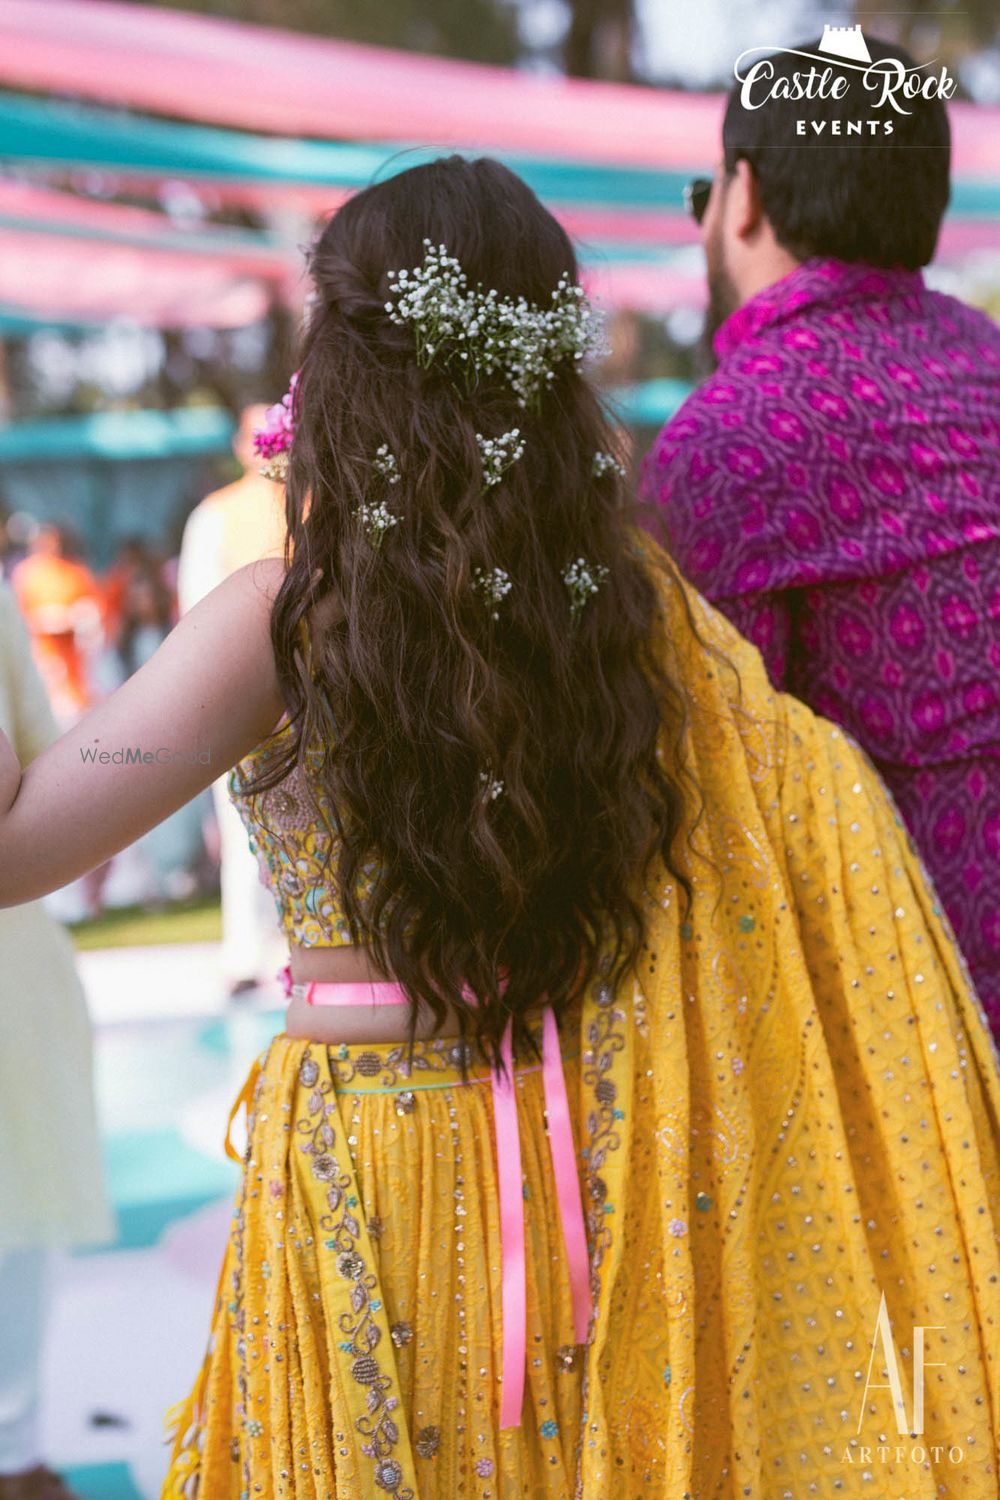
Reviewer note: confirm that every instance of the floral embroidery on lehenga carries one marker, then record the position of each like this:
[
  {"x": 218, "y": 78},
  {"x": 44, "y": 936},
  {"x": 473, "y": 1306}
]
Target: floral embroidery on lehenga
[
  {"x": 430, "y": 1054},
  {"x": 605, "y": 1037},
  {"x": 360, "y": 1333}
]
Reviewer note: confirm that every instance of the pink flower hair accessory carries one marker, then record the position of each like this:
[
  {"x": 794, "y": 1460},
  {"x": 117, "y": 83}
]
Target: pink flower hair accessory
[{"x": 272, "y": 441}]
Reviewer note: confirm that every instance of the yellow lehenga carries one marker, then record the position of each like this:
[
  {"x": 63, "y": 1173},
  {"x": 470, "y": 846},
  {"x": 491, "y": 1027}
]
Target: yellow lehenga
[{"x": 789, "y": 1112}]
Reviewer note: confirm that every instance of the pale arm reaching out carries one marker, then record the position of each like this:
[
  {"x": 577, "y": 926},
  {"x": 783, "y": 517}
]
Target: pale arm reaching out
[{"x": 210, "y": 687}]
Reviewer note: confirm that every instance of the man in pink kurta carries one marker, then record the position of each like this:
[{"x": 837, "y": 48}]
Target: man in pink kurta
[{"x": 834, "y": 487}]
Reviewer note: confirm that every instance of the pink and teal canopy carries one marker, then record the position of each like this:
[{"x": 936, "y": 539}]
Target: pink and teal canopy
[
  {"x": 228, "y": 73},
  {"x": 609, "y": 160}
]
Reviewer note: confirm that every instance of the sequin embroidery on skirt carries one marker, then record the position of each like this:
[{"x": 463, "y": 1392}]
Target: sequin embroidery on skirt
[{"x": 357, "y": 1335}]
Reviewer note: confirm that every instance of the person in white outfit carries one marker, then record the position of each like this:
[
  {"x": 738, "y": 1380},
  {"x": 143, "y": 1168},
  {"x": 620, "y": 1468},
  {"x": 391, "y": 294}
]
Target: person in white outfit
[
  {"x": 230, "y": 527},
  {"x": 52, "y": 1192}
]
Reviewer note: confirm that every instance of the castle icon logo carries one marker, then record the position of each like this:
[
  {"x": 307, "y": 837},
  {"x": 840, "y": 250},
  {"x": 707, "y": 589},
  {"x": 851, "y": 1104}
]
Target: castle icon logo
[
  {"x": 846, "y": 42},
  {"x": 840, "y": 65}
]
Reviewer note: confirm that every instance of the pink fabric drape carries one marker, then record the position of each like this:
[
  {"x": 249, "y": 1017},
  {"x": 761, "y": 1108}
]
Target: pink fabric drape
[
  {"x": 263, "y": 78},
  {"x": 55, "y": 277}
]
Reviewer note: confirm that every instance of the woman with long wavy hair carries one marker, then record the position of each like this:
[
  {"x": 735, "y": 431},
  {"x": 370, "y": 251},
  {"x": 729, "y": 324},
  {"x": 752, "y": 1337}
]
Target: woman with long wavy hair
[{"x": 628, "y": 1058}]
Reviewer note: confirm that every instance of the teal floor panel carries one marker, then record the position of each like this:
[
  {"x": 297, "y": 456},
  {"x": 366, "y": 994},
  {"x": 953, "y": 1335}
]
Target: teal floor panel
[{"x": 103, "y": 1482}]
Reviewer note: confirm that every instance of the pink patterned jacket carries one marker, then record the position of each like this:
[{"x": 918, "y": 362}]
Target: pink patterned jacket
[{"x": 834, "y": 487}]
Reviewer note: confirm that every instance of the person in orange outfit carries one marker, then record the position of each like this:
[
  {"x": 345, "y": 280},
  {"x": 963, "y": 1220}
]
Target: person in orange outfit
[{"x": 60, "y": 599}]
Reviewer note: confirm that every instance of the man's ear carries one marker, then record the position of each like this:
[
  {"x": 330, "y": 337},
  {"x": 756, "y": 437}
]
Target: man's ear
[{"x": 744, "y": 201}]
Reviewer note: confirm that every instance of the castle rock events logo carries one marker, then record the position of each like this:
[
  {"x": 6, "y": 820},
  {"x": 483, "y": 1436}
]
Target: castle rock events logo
[{"x": 841, "y": 63}]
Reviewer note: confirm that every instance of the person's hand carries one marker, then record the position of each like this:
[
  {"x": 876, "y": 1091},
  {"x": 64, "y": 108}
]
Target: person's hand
[{"x": 10, "y": 772}]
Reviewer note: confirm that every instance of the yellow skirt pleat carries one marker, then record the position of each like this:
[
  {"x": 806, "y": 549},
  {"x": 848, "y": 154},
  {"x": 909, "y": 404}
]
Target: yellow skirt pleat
[{"x": 357, "y": 1338}]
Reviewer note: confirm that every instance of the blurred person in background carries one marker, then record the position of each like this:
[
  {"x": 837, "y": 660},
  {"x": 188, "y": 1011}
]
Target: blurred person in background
[
  {"x": 233, "y": 526},
  {"x": 52, "y": 1194},
  {"x": 170, "y": 570},
  {"x": 133, "y": 556},
  {"x": 6, "y": 560},
  {"x": 170, "y": 860},
  {"x": 144, "y": 618},
  {"x": 834, "y": 486},
  {"x": 61, "y": 601},
  {"x": 19, "y": 532}
]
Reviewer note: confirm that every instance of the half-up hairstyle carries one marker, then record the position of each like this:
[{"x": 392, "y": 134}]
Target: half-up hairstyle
[{"x": 495, "y": 762}]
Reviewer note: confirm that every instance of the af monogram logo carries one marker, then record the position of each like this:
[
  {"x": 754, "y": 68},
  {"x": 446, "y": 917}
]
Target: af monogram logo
[
  {"x": 917, "y": 1453},
  {"x": 883, "y": 1331}
]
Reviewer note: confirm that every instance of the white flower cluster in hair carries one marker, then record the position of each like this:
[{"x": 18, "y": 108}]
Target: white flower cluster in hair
[
  {"x": 276, "y": 468},
  {"x": 434, "y": 298},
  {"x": 583, "y": 579},
  {"x": 487, "y": 332},
  {"x": 386, "y": 464},
  {"x": 534, "y": 339},
  {"x": 499, "y": 454},
  {"x": 604, "y": 463},
  {"x": 493, "y": 787},
  {"x": 494, "y": 583},
  {"x": 376, "y": 520}
]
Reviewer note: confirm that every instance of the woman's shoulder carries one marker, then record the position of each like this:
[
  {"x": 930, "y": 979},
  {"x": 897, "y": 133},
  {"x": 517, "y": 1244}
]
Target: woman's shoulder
[{"x": 264, "y": 576}]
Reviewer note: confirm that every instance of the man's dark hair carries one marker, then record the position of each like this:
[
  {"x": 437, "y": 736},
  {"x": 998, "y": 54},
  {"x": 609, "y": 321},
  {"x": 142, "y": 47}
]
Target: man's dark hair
[{"x": 877, "y": 198}]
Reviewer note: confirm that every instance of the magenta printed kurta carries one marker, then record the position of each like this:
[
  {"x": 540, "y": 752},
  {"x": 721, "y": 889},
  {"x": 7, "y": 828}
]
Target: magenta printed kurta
[{"x": 834, "y": 487}]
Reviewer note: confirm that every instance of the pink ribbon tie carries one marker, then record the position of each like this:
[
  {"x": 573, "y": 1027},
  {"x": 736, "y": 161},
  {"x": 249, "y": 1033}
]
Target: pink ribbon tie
[
  {"x": 510, "y": 1173},
  {"x": 514, "y": 1301}
]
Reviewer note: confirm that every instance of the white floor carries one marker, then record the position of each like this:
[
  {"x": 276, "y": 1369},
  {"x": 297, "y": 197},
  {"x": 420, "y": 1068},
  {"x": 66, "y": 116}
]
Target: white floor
[
  {"x": 126, "y": 1336},
  {"x": 128, "y": 1326}
]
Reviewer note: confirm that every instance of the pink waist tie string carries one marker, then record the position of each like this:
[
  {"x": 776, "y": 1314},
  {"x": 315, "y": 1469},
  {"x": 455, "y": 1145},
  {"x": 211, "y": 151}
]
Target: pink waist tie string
[{"x": 511, "y": 1191}]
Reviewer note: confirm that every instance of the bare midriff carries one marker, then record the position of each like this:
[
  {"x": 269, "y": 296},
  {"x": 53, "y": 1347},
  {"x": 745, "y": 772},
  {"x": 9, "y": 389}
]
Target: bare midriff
[{"x": 354, "y": 1023}]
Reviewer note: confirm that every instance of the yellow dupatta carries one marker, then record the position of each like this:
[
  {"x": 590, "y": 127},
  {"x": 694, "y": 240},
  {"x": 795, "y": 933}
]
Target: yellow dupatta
[{"x": 792, "y": 1112}]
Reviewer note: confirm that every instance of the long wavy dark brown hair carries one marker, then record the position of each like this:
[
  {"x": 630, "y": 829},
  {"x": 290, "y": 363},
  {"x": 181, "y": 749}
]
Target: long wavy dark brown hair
[{"x": 415, "y": 691}]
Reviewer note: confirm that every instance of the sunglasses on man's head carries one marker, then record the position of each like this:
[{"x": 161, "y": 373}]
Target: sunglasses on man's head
[{"x": 696, "y": 196}]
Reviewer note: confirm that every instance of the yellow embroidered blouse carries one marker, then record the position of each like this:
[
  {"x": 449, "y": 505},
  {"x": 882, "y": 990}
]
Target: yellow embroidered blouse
[{"x": 290, "y": 831}]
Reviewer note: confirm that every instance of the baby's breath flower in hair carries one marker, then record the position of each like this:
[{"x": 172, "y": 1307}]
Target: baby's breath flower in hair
[
  {"x": 492, "y": 787},
  {"x": 484, "y": 332},
  {"x": 604, "y": 463},
  {"x": 434, "y": 299},
  {"x": 375, "y": 520},
  {"x": 494, "y": 584},
  {"x": 386, "y": 464},
  {"x": 582, "y": 579},
  {"x": 499, "y": 454},
  {"x": 534, "y": 339}
]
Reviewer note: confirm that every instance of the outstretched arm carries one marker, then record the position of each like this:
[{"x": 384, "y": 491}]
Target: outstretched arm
[{"x": 202, "y": 702}]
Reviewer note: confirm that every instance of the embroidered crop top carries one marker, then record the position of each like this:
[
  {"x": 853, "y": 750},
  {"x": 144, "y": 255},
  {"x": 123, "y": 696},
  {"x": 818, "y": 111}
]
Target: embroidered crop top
[
  {"x": 290, "y": 829},
  {"x": 291, "y": 833}
]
